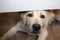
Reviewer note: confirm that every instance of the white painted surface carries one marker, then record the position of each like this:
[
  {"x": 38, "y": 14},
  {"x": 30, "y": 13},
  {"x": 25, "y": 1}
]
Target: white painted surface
[{"x": 25, "y": 5}]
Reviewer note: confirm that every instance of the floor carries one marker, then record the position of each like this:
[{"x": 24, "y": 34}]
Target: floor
[{"x": 9, "y": 20}]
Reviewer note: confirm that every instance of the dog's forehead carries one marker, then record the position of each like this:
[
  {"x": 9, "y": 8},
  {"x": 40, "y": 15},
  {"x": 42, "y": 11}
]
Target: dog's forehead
[{"x": 38, "y": 12}]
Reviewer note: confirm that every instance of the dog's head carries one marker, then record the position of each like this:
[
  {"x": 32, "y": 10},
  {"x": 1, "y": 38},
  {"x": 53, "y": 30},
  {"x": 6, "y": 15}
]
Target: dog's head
[{"x": 35, "y": 21}]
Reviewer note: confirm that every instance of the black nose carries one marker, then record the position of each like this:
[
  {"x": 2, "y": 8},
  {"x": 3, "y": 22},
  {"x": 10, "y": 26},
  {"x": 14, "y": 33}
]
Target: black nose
[{"x": 36, "y": 27}]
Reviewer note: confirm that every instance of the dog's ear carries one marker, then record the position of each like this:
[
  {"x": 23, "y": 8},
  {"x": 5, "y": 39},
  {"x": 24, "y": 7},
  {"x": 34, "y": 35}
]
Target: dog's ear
[
  {"x": 22, "y": 13},
  {"x": 50, "y": 17},
  {"x": 50, "y": 13}
]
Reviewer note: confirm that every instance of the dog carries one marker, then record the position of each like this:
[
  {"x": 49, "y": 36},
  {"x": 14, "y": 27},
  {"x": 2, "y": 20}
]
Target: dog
[{"x": 32, "y": 22}]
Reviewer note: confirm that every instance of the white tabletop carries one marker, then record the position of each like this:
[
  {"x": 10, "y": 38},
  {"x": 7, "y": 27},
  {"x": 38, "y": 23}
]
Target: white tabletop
[{"x": 25, "y": 5}]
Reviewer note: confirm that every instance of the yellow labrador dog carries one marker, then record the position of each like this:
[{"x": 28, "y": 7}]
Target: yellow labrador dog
[{"x": 33, "y": 23}]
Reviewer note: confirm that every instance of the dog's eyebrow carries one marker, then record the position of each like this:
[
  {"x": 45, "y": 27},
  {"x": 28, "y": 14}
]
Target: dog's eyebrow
[{"x": 23, "y": 11}]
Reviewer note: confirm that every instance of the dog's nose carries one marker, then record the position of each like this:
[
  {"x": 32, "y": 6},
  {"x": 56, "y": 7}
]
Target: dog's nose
[{"x": 36, "y": 27}]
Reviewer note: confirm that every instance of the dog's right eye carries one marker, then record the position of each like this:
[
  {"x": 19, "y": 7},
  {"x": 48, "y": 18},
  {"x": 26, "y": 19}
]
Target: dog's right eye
[
  {"x": 42, "y": 16},
  {"x": 30, "y": 15}
]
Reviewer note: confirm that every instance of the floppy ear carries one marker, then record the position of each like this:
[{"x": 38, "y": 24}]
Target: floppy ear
[
  {"x": 23, "y": 16},
  {"x": 50, "y": 17}
]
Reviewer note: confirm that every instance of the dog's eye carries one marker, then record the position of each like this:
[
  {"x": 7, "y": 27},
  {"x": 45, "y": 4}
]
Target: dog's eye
[
  {"x": 42, "y": 16},
  {"x": 30, "y": 15}
]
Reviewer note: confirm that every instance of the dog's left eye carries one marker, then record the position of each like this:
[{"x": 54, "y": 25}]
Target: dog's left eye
[
  {"x": 30, "y": 15},
  {"x": 42, "y": 16}
]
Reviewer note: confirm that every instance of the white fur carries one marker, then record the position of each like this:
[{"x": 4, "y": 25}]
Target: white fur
[{"x": 43, "y": 34}]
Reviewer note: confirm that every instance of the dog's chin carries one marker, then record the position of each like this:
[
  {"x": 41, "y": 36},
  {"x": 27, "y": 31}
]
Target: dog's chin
[
  {"x": 33, "y": 33},
  {"x": 30, "y": 33}
]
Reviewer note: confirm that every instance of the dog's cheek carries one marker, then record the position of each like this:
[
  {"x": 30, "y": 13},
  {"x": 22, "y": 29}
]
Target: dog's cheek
[{"x": 47, "y": 21}]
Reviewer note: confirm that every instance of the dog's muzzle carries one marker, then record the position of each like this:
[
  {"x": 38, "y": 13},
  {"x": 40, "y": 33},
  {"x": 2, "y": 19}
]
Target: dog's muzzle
[{"x": 36, "y": 28}]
